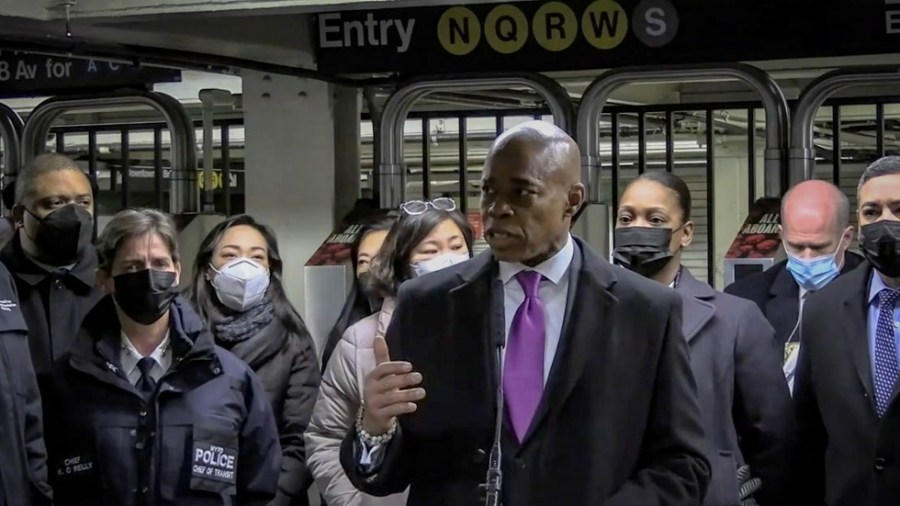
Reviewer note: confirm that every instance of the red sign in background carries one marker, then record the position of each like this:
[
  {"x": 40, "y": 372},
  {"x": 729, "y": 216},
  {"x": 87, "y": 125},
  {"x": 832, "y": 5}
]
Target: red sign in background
[{"x": 758, "y": 237}]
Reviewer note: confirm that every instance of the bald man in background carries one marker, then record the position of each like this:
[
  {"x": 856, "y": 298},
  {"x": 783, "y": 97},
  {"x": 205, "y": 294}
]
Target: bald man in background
[
  {"x": 815, "y": 233},
  {"x": 600, "y": 402}
]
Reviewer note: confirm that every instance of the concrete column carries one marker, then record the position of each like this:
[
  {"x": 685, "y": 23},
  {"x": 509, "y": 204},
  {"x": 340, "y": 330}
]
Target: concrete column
[
  {"x": 731, "y": 187},
  {"x": 347, "y": 108},
  {"x": 290, "y": 166}
]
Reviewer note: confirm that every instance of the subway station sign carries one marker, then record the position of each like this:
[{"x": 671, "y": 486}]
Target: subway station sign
[
  {"x": 586, "y": 34},
  {"x": 31, "y": 74}
]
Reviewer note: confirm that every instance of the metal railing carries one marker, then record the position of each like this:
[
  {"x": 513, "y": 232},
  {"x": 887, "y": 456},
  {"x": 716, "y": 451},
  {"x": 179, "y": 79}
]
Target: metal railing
[
  {"x": 391, "y": 174},
  {"x": 802, "y": 152},
  {"x": 184, "y": 193},
  {"x": 597, "y": 95}
]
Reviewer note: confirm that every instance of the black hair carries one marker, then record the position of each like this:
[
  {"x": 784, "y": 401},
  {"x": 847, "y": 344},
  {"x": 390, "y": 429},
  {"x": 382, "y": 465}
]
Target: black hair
[
  {"x": 380, "y": 224},
  {"x": 391, "y": 266},
  {"x": 358, "y": 304},
  {"x": 42, "y": 164},
  {"x": 884, "y": 166},
  {"x": 674, "y": 183},
  {"x": 201, "y": 292}
]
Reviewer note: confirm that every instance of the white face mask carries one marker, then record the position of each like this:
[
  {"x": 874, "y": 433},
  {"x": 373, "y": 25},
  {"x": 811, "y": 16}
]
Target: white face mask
[
  {"x": 439, "y": 262},
  {"x": 241, "y": 283}
]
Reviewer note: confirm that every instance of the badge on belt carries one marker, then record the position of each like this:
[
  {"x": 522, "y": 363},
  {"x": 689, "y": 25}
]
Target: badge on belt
[{"x": 789, "y": 349}]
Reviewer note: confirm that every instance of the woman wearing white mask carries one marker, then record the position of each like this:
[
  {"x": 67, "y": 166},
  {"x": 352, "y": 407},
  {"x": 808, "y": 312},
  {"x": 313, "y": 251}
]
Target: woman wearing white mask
[
  {"x": 429, "y": 236},
  {"x": 238, "y": 291}
]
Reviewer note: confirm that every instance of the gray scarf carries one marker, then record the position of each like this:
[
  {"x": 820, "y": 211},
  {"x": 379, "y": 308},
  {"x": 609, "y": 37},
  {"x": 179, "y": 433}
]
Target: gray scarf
[{"x": 239, "y": 327}]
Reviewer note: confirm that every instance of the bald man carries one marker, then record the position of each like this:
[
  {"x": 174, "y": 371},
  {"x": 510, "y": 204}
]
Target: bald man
[
  {"x": 599, "y": 400},
  {"x": 815, "y": 233}
]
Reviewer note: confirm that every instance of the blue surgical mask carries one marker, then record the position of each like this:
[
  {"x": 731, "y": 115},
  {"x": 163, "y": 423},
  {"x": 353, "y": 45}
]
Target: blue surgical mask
[{"x": 814, "y": 273}]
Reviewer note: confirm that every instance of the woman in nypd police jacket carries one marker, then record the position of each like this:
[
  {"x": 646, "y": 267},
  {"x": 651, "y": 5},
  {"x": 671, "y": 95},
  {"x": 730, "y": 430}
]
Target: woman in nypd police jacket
[
  {"x": 145, "y": 409},
  {"x": 747, "y": 413}
]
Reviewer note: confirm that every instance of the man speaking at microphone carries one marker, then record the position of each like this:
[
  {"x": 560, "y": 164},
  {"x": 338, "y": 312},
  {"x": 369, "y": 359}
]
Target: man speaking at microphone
[{"x": 600, "y": 403}]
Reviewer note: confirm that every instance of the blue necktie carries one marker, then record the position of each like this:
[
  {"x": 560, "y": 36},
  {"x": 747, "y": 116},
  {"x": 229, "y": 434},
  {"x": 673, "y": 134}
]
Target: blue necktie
[{"x": 886, "y": 368}]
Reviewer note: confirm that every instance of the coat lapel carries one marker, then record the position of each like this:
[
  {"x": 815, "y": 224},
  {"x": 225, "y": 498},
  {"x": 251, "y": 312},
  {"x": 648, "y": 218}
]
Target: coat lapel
[
  {"x": 588, "y": 316},
  {"x": 855, "y": 328},
  {"x": 477, "y": 291},
  {"x": 783, "y": 305},
  {"x": 698, "y": 306}
]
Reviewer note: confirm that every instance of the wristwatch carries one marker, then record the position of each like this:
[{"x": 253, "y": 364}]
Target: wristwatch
[{"x": 368, "y": 439}]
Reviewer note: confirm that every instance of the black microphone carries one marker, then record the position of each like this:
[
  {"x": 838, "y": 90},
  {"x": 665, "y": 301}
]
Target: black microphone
[{"x": 493, "y": 483}]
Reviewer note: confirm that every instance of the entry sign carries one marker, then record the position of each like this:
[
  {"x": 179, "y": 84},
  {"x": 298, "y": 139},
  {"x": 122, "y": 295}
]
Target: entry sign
[
  {"x": 32, "y": 74},
  {"x": 596, "y": 34}
]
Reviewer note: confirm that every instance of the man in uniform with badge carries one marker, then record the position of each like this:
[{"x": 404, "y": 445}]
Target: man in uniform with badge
[{"x": 145, "y": 409}]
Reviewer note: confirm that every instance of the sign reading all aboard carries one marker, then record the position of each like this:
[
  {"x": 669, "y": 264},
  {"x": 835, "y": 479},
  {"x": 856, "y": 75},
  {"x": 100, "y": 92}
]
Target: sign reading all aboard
[
  {"x": 32, "y": 74},
  {"x": 759, "y": 237},
  {"x": 337, "y": 247},
  {"x": 584, "y": 34}
]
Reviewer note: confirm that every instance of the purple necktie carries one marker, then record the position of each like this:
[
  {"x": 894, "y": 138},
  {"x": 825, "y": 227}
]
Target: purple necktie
[{"x": 523, "y": 372}]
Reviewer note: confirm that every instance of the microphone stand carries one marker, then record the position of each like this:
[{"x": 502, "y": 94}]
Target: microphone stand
[{"x": 494, "y": 480}]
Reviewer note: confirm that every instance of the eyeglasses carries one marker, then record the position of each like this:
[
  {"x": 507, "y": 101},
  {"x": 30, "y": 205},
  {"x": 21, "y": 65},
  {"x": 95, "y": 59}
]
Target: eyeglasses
[{"x": 415, "y": 207}]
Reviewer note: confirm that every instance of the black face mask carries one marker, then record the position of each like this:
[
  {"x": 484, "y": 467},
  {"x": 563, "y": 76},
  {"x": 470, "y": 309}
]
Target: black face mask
[
  {"x": 880, "y": 244},
  {"x": 145, "y": 296},
  {"x": 62, "y": 235},
  {"x": 644, "y": 250}
]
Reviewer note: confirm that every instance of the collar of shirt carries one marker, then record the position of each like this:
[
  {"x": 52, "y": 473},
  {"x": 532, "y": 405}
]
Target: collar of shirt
[
  {"x": 876, "y": 285},
  {"x": 553, "y": 269},
  {"x": 130, "y": 357}
]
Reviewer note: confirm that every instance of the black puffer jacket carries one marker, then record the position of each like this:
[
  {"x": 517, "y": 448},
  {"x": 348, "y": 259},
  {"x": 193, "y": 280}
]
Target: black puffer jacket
[
  {"x": 208, "y": 437},
  {"x": 286, "y": 363}
]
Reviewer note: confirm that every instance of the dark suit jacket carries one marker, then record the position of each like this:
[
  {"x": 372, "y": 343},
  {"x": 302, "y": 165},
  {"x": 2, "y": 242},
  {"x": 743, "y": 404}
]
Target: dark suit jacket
[
  {"x": 850, "y": 456},
  {"x": 619, "y": 423},
  {"x": 778, "y": 295},
  {"x": 746, "y": 405}
]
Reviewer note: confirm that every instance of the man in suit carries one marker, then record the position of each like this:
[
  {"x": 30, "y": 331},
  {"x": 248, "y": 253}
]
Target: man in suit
[
  {"x": 847, "y": 375},
  {"x": 600, "y": 402},
  {"x": 815, "y": 233}
]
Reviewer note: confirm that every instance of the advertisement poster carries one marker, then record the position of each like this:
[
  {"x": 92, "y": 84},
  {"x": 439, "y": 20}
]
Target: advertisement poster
[
  {"x": 335, "y": 250},
  {"x": 479, "y": 244},
  {"x": 758, "y": 237}
]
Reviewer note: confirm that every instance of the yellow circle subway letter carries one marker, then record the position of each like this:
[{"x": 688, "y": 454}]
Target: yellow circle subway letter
[
  {"x": 459, "y": 31},
  {"x": 555, "y": 26},
  {"x": 506, "y": 29},
  {"x": 604, "y": 24}
]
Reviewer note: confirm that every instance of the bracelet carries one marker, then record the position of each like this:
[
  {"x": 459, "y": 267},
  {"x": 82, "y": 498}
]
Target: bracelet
[{"x": 368, "y": 439}]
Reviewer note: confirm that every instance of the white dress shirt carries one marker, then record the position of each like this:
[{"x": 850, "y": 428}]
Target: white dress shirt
[
  {"x": 553, "y": 292},
  {"x": 130, "y": 357}
]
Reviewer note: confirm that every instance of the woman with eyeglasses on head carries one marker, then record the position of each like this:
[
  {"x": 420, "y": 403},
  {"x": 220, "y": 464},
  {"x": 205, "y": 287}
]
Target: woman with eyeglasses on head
[
  {"x": 428, "y": 236},
  {"x": 238, "y": 291},
  {"x": 747, "y": 412},
  {"x": 360, "y": 302}
]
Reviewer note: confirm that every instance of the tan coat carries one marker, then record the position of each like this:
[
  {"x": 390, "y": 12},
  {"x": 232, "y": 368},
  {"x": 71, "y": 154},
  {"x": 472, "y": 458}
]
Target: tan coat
[{"x": 335, "y": 413}]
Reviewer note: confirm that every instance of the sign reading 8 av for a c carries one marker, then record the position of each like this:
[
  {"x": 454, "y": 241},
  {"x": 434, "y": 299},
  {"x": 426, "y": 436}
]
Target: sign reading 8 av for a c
[{"x": 556, "y": 25}]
